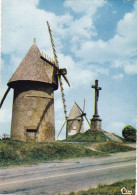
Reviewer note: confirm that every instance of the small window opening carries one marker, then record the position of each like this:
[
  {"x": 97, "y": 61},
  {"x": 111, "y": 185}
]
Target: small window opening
[{"x": 31, "y": 135}]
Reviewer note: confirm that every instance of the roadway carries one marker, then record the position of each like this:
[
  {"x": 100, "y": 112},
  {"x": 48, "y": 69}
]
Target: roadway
[{"x": 67, "y": 175}]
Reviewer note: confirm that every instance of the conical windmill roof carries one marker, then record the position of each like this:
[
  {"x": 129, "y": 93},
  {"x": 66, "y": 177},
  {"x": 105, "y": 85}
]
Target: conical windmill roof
[
  {"x": 74, "y": 112},
  {"x": 33, "y": 68}
]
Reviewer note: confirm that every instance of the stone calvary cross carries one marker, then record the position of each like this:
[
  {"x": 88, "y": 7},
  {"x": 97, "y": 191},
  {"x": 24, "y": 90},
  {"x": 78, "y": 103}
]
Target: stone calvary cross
[
  {"x": 96, "y": 98},
  {"x": 96, "y": 121}
]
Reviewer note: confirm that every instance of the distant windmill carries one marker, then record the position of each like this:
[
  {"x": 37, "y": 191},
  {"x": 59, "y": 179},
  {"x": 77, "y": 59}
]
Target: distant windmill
[
  {"x": 34, "y": 83},
  {"x": 75, "y": 120}
]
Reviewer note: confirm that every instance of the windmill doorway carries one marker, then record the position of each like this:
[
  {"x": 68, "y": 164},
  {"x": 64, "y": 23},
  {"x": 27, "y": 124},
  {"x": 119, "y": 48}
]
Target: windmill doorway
[{"x": 31, "y": 135}]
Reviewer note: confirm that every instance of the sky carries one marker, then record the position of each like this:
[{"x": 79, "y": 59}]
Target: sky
[{"x": 94, "y": 39}]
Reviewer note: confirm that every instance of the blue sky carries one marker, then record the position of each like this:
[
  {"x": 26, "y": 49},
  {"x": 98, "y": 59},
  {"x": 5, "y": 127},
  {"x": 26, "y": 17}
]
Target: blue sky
[{"x": 94, "y": 39}]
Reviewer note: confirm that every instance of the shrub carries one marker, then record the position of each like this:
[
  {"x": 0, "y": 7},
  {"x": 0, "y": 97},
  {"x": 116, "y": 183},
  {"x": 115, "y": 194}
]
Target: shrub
[{"x": 129, "y": 133}]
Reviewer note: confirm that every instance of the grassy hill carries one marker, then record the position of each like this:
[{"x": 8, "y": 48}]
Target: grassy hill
[
  {"x": 89, "y": 136},
  {"x": 16, "y": 152}
]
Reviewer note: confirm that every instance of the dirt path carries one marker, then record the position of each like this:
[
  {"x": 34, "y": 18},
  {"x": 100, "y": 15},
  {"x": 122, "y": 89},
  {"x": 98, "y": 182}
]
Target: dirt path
[{"x": 113, "y": 137}]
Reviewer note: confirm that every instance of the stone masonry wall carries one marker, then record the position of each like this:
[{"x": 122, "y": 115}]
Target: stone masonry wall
[
  {"x": 33, "y": 113},
  {"x": 74, "y": 125}
]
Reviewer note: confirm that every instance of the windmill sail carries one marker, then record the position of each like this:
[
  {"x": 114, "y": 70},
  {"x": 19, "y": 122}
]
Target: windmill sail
[
  {"x": 58, "y": 73},
  {"x": 4, "y": 97},
  {"x": 83, "y": 114},
  {"x": 53, "y": 46}
]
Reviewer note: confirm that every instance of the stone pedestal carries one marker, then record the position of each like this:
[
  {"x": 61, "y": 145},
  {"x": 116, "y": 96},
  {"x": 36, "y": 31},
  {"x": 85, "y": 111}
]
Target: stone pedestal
[{"x": 96, "y": 123}]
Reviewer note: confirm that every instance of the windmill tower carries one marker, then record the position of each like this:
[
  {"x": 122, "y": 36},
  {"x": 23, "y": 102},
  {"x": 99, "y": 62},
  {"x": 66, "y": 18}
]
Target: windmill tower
[
  {"x": 34, "y": 83},
  {"x": 75, "y": 121}
]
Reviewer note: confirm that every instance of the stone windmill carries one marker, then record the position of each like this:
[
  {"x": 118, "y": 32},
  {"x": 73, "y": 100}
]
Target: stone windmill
[
  {"x": 75, "y": 121},
  {"x": 34, "y": 83}
]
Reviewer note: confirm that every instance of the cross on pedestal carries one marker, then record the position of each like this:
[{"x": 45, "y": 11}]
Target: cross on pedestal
[
  {"x": 96, "y": 98},
  {"x": 96, "y": 121}
]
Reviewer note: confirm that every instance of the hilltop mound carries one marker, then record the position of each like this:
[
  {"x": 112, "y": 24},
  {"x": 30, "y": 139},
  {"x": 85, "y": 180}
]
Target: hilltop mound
[{"x": 92, "y": 136}]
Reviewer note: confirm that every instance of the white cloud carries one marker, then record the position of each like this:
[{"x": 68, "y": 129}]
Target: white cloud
[
  {"x": 86, "y": 6},
  {"x": 120, "y": 50},
  {"x": 81, "y": 28},
  {"x": 117, "y": 76},
  {"x": 115, "y": 127},
  {"x": 5, "y": 116},
  {"x": 22, "y": 21},
  {"x": 59, "y": 104},
  {"x": 117, "y": 64},
  {"x": 77, "y": 75},
  {"x": 131, "y": 68},
  {"x": 15, "y": 61}
]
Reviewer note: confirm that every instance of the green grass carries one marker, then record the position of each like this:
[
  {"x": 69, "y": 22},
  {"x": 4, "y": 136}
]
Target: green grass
[
  {"x": 89, "y": 136},
  {"x": 16, "y": 152},
  {"x": 113, "y": 147},
  {"x": 19, "y": 153},
  {"x": 113, "y": 189}
]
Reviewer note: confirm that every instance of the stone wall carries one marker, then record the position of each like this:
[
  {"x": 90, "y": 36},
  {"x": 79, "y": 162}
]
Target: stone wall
[
  {"x": 33, "y": 113},
  {"x": 74, "y": 126}
]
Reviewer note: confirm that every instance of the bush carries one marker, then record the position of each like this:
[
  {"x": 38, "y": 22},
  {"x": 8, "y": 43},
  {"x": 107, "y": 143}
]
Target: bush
[{"x": 129, "y": 133}]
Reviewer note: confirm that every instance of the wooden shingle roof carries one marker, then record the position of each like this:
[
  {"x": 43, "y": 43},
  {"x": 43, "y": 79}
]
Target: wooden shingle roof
[
  {"x": 33, "y": 68},
  {"x": 74, "y": 112}
]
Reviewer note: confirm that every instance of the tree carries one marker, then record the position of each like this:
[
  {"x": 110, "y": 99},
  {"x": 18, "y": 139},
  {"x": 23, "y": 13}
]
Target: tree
[
  {"x": 5, "y": 136},
  {"x": 129, "y": 133}
]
